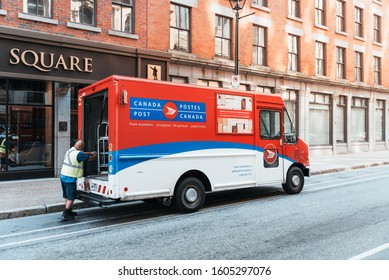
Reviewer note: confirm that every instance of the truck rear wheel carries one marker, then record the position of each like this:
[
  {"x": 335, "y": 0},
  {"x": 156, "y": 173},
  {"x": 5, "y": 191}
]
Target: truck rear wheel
[
  {"x": 190, "y": 195},
  {"x": 294, "y": 181}
]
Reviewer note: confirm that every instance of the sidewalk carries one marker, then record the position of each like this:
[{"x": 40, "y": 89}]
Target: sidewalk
[{"x": 34, "y": 197}]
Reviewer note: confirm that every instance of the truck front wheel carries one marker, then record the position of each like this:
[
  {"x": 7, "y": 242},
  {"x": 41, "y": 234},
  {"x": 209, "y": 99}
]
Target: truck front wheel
[
  {"x": 294, "y": 181},
  {"x": 190, "y": 195}
]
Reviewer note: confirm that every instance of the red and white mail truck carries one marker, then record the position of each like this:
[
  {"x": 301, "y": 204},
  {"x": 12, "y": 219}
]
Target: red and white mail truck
[{"x": 177, "y": 142}]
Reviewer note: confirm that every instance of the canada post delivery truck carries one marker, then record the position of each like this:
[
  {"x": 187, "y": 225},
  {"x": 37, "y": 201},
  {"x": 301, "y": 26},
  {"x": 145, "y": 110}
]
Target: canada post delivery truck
[{"x": 177, "y": 142}]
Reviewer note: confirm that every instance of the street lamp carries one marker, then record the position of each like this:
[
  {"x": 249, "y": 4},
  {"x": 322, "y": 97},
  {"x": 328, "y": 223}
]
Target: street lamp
[{"x": 236, "y": 6}]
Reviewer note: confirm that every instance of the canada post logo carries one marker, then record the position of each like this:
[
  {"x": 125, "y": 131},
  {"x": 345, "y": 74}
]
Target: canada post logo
[{"x": 166, "y": 110}]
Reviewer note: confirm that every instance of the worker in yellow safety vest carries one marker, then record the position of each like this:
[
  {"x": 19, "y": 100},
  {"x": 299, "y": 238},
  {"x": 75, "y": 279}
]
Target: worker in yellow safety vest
[{"x": 72, "y": 168}]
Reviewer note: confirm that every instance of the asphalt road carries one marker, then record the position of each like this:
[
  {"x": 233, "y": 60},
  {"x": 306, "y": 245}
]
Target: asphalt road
[{"x": 338, "y": 216}]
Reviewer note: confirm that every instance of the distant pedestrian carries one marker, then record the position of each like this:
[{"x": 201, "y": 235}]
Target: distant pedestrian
[{"x": 72, "y": 168}]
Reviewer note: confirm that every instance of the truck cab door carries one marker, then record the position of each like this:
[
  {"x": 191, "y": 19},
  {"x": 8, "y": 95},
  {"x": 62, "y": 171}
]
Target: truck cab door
[{"x": 269, "y": 142}]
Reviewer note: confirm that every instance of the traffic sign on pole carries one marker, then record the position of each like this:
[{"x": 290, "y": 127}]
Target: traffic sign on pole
[{"x": 235, "y": 81}]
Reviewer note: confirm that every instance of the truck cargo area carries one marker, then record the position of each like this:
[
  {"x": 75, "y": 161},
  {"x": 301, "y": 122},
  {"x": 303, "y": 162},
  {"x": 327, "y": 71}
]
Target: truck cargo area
[{"x": 95, "y": 126}]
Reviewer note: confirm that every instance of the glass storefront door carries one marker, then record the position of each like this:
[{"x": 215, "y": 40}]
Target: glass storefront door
[{"x": 26, "y": 114}]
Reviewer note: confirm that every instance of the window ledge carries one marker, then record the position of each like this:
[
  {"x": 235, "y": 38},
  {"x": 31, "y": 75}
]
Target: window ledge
[
  {"x": 265, "y": 9},
  {"x": 377, "y": 44},
  {"x": 359, "y": 38},
  {"x": 3, "y": 12},
  {"x": 182, "y": 54},
  {"x": 294, "y": 18},
  {"x": 343, "y": 80},
  {"x": 222, "y": 60},
  {"x": 260, "y": 66},
  {"x": 321, "y": 26},
  {"x": 323, "y": 77},
  {"x": 83, "y": 27},
  {"x": 377, "y": 2},
  {"x": 294, "y": 72},
  {"x": 123, "y": 34},
  {"x": 341, "y": 33},
  {"x": 38, "y": 18}
]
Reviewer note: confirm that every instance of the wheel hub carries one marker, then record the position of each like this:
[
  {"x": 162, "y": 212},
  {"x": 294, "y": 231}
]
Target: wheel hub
[
  {"x": 191, "y": 195},
  {"x": 295, "y": 181}
]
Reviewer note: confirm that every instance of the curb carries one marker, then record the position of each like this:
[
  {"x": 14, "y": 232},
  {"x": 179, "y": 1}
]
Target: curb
[
  {"x": 38, "y": 210},
  {"x": 341, "y": 169}
]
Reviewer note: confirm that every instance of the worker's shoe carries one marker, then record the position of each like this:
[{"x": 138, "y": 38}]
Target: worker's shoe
[
  {"x": 72, "y": 213},
  {"x": 66, "y": 216}
]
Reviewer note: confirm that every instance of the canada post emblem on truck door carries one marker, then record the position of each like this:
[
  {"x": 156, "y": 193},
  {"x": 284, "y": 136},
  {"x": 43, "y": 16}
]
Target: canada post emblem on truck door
[
  {"x": 270, "y": 156},
  {"x": 148, "y": 109}
]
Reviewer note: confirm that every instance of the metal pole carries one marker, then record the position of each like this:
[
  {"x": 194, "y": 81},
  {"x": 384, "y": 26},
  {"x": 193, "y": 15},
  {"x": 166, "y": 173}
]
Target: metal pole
[{"x": 237, "y": 43}]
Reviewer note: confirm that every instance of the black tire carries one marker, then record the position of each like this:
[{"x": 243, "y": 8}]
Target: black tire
[
  {"x": 294, "y": 181},
  {"x": 189, "y": 195}
]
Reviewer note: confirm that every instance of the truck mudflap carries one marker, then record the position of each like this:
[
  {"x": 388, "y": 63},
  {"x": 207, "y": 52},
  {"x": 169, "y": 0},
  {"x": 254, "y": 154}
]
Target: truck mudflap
[{"x": 96, "y": 199}]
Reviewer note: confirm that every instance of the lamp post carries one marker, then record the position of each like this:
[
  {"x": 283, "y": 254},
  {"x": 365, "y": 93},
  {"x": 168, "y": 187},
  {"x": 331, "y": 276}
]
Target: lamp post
[{"x": 236, "y": 6}]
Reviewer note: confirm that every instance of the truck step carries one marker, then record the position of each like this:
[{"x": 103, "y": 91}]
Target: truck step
[{"x": 96, "y": 199}]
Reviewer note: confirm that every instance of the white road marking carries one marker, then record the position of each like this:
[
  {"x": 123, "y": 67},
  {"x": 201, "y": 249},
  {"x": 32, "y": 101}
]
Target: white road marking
[
  {"x": 344, "y": 184},
  {"x": 371, "y": 252}
]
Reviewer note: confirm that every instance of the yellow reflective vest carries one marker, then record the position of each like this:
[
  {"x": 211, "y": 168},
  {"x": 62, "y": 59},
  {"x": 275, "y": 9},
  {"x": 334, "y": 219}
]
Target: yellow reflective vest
[
  {"x": 3, "y": 147},
  {"x": 71, "y": 166}
]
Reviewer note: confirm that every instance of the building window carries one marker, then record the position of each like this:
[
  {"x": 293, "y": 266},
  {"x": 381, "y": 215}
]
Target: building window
[
  {"x": 26, "y": 118},
  {"x": 179, "y": 79},
  {"x": 37, "y": 7},
  {"x": 319, "y": 119},
  {"x": 379, "y": 121},
  {"x": 320, "y": 15},
  {"x": 340, "y": 63},
  {"x": 123, "y": 16},
  {"x": 83, "y": 12},
  {"x": 377, "y": 70},
  {"x": 290, "y": 100},
  {"x": 223, "y": 37},
  {"x": 179, "y": 28},
  {"x": 293, "y": 53},
  {"x": 340, "y": 16},
  {"x": 264, "y": 89},
  {"x": 341, "y": 108},
  {"x": 358, "y": 22},
  {"x": 377, "y": 29},
  {"x": 259, "y": 45},
  {"x": 359, "y": 119},
  {"x": 358, "y": 67},
  {"x": 320, "y": 58},
  {"x": 294, "y": 8},
  {"x": 261, "y": 3},
  {"x": 209, "y": 83}
]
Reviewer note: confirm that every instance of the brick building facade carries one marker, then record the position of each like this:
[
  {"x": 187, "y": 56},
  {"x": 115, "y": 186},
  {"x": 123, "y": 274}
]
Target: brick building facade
[{"x": 326, "y": 58}]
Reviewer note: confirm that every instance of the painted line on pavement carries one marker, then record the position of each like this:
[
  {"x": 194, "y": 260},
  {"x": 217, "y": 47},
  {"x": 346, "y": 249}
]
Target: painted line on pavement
[
  {"x": 371, "y": 252},
  {"x": 345, "y": 179},
  {"x": 344, "y": 184}
]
